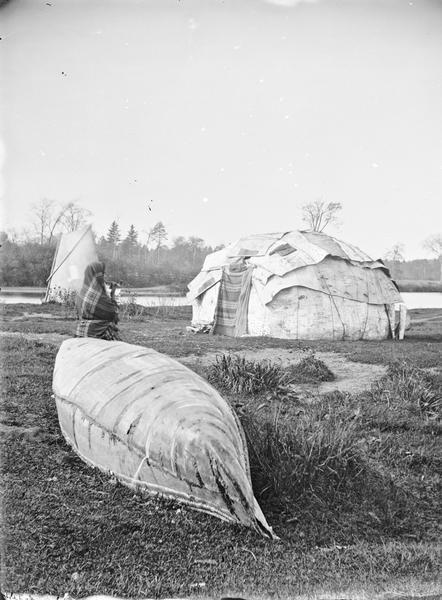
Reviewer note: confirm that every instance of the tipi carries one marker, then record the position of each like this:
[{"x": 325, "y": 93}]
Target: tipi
[
  {"x": 298, "y": 285},
  {"x": 74, "y": 252}
]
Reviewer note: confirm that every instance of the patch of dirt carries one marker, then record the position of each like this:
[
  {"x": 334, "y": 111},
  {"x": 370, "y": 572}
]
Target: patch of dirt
[
  {"x": 27, "y": 315},
  {"x": 352, "y": 377}
]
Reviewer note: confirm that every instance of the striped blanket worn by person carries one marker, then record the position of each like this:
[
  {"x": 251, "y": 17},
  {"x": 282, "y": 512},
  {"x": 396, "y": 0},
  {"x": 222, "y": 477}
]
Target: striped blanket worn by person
[{"x": 98, "y": 313}]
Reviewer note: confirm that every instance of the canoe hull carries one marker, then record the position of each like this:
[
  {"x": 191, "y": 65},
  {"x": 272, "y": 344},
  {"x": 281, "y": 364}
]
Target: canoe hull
[{"x": 156, "y": 426}]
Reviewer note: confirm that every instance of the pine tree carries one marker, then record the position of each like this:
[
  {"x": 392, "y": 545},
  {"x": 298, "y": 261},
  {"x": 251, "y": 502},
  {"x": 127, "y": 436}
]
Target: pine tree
[
  {"x": 113, "y": 238},
  {"x": 113, "y": 235},
  {"x": 130, "y": 243},
  {"x": 132, "y": 237}
]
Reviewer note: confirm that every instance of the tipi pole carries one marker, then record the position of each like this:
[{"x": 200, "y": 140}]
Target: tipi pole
[{"x": 52, "y": 267}]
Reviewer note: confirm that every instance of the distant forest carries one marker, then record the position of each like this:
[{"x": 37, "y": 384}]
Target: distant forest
[
  {"x": 421, "y": 269},
  {"x": 28, "y": 262}
]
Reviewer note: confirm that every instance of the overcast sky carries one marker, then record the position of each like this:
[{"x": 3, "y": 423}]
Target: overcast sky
[{"x": 228, "y": 115}]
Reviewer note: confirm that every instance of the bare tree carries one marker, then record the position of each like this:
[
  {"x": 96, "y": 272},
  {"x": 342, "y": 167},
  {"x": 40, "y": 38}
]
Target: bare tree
[
  {"x": 433, "y": 244},
  {"x": 149, "y": 237},
  {"x": 48, "y": 217},
  {"x": 395, "y": 253},
  {"x": 75, "y": 216},
  {"x": 319, "y": 214},
  {"x": 16, "y": 237},
  {"x": 196, "y": 243},
  {"x": 158, "y": 234}
]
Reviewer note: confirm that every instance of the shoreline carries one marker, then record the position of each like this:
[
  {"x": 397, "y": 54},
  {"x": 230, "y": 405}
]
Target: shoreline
[{"x": 161, "y": 291}]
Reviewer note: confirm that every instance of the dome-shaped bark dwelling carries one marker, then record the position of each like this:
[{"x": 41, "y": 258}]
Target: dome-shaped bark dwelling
[{"x": 299, "y": 285}]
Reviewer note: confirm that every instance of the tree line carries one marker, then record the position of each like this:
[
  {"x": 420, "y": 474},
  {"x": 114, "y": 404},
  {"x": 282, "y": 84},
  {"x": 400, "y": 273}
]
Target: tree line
[
  {"x": 417, "y": 269},
  {"x": 153, "y": 262},
  {"x": 420, "y": 269},
  {"x": 26, "y": 260}
]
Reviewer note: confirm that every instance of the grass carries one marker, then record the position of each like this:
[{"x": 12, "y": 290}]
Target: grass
[
  {"x": 410, "y": 389},
  {"x": 132, "y": 311},
  {"x": 335, "y": 468},
  {"x": 303, "y": 461},
  {"x": 163, "y": 328},
  {"x": 350, "y": 483},
  {"x": 341, "y": 466}
]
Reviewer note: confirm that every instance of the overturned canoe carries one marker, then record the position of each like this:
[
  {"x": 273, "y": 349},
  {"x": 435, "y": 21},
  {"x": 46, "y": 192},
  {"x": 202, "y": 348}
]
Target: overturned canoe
[{"x": 156, "y": 425}]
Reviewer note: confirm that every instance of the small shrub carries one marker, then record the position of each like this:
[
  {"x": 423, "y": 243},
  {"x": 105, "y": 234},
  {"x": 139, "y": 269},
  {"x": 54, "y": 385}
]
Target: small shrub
[
  {"x": 129, "y": 309},
  {"x": 237, "y": 375},
  {"x": 310, "y": 370},
  {"x": 66, "y": 297},
  {"x": 407, "y": 387}
]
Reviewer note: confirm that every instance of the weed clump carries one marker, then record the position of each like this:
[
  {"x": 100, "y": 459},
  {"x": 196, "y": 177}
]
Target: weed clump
[
  {"x": 319, "y": 467},
  {"x": 130, "y": 309},
  {"x": 310, "y": 370},
  {"x": 66, "y": 298},
  {"x": 311, "y": 456},
  {"x": 237, "y": 375},
  {"x": 408, "y": 387}
]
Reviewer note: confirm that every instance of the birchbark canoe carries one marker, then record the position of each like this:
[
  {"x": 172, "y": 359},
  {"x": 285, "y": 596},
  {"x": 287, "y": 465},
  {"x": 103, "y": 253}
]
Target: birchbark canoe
[{"x": 157, "y": 426}]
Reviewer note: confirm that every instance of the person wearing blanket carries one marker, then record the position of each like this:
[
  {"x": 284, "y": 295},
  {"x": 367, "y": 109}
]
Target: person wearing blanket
[{"x": 97, "y": 311}]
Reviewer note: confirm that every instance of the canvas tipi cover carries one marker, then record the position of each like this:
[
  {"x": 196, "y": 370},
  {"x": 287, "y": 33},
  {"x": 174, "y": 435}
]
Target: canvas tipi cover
[
  {"x": 74, "y": 252},
  {"x": 298, "y": 285}
]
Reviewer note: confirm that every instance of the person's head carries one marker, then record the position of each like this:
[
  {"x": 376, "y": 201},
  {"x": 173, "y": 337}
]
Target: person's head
[{"x": 94, "y": 270}]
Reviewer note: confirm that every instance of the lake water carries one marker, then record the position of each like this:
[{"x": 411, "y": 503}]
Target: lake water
[
  {"x": 159, "y": 300},
  {"x": 19, "y": 298},
  {"x": 36, "y": 297},
  {"x": 411, "y": 299},
  {"x": 422, "y": 299}
]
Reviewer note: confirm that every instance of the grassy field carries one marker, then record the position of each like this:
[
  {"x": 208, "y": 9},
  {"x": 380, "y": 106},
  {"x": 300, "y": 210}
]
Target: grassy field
[{"x": 350, "y": 482}]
